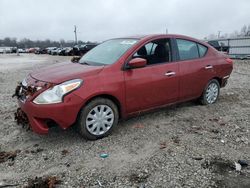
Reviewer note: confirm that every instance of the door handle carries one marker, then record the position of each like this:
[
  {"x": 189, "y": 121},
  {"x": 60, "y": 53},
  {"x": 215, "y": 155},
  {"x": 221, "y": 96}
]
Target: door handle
[
  {"x": 208, "y": 67},
  {"x": 170, "y": 73}
]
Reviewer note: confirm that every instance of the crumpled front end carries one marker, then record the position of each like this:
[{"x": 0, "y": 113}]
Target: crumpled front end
[
  {"x": 40, "y": 117},
  {"x": 25, "y": 92}
]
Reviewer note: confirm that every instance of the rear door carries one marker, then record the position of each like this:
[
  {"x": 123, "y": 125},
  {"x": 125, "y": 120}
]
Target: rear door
[
  {"x": 157, "y": 83},
  {"x": 195, "y": 70}
]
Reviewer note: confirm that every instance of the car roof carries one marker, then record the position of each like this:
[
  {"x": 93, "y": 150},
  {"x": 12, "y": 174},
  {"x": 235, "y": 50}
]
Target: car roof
[{"x": 152, "y": 36}]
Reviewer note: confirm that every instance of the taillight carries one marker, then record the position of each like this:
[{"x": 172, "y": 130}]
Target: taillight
[{"x": 229, "y": 60}]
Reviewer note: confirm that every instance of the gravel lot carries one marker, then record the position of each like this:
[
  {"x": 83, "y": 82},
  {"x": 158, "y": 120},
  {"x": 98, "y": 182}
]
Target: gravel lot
[{"x": 186, "y": 145}]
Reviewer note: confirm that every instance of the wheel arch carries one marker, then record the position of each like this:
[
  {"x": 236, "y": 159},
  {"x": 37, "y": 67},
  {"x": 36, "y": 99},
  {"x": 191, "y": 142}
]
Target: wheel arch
[
  {"x": 107, "y": 96},
  {"x": 218, "y": 79}
]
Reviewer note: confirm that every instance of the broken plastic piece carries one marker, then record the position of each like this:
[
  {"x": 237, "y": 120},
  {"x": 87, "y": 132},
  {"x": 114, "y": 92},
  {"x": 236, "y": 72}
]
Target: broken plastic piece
[
  {"x": 39, "y": 182},
  {"x": 4, "y": 156},
  {"x": 237, "y": 166},
  {"x": 243, "y": 163},
  {"x": 104, "y": 155}
]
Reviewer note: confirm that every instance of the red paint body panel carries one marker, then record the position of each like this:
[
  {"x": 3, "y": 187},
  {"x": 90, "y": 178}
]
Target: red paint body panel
[
  {"x": 135, "y": 90},
  {"x": 60, "y": 72},
  {"x": 149, "y": 87},
  {"x": 64, "y": 114}
]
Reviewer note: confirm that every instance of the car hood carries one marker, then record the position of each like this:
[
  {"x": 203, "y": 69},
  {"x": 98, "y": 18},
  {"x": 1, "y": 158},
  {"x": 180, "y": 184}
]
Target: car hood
[{"x": 61, "y": 72}]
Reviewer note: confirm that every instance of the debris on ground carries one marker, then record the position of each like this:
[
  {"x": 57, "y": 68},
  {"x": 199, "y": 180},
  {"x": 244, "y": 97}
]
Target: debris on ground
[
  {"x": 67, "y": 164},
  {"x": 198, "y": 158},
  {"x": 104, "y": 155},
  {"x": 214, "y": 119},
  {"x": 38, "y": 150},
  {"x": 215, "y": 131},
  {"x": 237, "y": 166},
  {"x": 39, "y": 182},
  {"x": 243, "y": 163},
  {"x": 5, "y": 156},
  {"x": 195, "y": 129},
  {"x": 222, "y": 141},
  {"x": 163, "y": 145},
  {"x": 138, "y": 126},
  {"x": 65, "y": 152},
  {"x": 176, "y": 139}
]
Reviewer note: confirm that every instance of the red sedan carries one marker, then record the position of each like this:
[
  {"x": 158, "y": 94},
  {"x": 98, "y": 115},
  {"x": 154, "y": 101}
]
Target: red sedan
[{"x": 119, "y": 78}]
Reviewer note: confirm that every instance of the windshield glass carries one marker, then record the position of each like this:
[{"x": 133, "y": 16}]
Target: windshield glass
[{"x": 108, "y": 52}]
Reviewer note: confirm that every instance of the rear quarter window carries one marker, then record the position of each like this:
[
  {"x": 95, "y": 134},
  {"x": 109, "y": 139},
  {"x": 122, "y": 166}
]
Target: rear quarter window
[
  {"x": 187, "y": 49},
  {"x": 202, "y": 50}
]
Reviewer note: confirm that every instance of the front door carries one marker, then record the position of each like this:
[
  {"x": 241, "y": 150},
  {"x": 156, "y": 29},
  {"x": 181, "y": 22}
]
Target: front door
[{"x": 156, "y": 84}]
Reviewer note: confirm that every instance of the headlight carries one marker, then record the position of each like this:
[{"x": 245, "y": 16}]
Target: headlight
[{"x": 56, "y": 93}]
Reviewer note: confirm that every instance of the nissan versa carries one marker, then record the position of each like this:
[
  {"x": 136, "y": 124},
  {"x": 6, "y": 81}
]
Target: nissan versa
[{"x": 119, "y": 78}]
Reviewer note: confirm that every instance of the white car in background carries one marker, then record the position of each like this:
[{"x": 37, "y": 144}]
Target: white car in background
[
  {"x": 2, "y": 50},
  {"x": 20, "y": 50},
  {"x": 7, "y": 50}
]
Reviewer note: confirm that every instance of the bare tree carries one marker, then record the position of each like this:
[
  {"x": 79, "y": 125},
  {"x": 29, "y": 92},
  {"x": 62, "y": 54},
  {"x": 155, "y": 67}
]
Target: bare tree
[
  {"x": 243, "y": 31},
  {"x": 27, "y": 43},
  {"x": 248, "y": 30}
]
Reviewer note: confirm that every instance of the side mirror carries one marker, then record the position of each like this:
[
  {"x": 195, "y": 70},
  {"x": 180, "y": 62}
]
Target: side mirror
[{"x": 137, "y": 63}]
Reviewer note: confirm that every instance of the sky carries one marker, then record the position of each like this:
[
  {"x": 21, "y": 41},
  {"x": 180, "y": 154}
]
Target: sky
[{"x": 98, "y": 20}]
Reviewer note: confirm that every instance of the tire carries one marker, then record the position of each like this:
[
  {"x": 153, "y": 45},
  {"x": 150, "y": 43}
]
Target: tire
[
  {"x": 91, "y": 119},
  {"x": 214, "y": 87}
]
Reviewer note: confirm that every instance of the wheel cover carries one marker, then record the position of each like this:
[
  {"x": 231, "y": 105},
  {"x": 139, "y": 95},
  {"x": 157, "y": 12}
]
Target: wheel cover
[
  {"x": 212, "y": 93},
  {"x": 99, "y": 120}
]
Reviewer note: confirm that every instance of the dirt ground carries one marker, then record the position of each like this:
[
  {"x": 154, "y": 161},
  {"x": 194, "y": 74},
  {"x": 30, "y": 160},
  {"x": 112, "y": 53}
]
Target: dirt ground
[{"x": 186, "y": 145}]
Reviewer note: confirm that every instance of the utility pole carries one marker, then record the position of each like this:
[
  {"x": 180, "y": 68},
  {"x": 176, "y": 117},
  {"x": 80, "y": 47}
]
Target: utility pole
[
  {"x": 75, "y": 35},
  {"x": 219, "y": 34},
  {"x": 166, "y": 30}
]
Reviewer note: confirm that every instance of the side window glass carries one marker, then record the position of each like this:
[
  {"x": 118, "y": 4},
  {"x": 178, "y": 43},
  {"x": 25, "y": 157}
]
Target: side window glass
[
  {"x": 150, "y": 47},
  {"x": 146, "y": 50},
  {"x": 155, "y": 52},
  {"x": 202, "y": 50},
  {"x": 187, "y": 49}
]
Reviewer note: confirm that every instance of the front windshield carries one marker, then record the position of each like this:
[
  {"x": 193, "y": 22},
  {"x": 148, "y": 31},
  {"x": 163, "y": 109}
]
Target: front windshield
[{"x": 108, "y": 52}]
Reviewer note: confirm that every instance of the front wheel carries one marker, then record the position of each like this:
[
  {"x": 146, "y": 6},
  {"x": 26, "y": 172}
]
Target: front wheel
[
  {"x": 211, "y": 92},
  {"x": 97, "y": 119}
]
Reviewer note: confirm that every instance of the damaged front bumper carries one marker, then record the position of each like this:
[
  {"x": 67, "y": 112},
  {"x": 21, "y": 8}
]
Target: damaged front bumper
[{"x": 39, "y": 117}]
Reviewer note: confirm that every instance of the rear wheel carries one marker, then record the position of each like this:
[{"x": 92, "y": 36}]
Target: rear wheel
[
  {"x": 97, "y": 119},
  {"x": 211, "y": 92}
]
